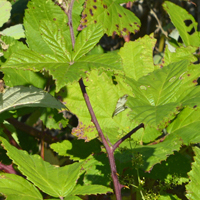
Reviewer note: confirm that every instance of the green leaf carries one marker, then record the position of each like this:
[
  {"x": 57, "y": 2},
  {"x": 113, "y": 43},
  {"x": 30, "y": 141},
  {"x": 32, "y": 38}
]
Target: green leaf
[
  {"x": 13, "y": 46},
  {"x": 72, "y": 149},
  {"x": 44, "y": 10},
  {"x": 21, "y": 96},
  {"x": 174, "y": 167},
  {"x": 72, "y": 198},
  {"x": 185, "y": 126},
  {"x": 159, "y": 95},
  {"x": 97, "y": 170},
  {"x": 91, "y": 189},
  {"x": 168, "y": 197},
  {"x": 61, "y": 70},
  {"x": 53, "y": 36},
  {"x": 52, "y": 119},
  {"x": 15, "y": 187},
  {"x": 137, "y": 57},
  {"x": 151, "y": 154},
  {"x": 103, "y": 98},
  {"x": 17, "y": 77},
  {"x": 86, "y": 40},
  {"x": 76, "y": 14},
  {"x": 113, "y": 17},
  {"x": 55, "y": 181},
  {"x": 5, "y": 8},
  {"x": 179, "y": 17},
  {"x": 182, "y": 53},
  {"x": 193, "y": 187},
  {"x": 15, "y": 31}
]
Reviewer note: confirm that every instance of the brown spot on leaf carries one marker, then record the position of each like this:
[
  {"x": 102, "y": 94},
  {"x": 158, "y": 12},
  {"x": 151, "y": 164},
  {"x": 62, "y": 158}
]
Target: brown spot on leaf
[
  {"x": 195, "y": 106},
  {"x": 130, "y": 25},
  {"x": 95, "y": 1},
  {"x": 84, "y": 16},
  {"x": 85, "y": 20},
  {"x": 94, "y": 7},
  {"x": 138, "y": 25},
  {"x": 188, "y": 75},
  {"x": 117, "y": 25},
  {"x": 125, "y": 14},
  {"x": 119, "y": 15},
  {"x": 194, "y": 81},
  {"x": 91, "y": 12},
  {"x": 95, "y": 21},
  {"x": 105, "y": 6},
  {"x": 124, "y": 29},
  {"x": 81, "y": 131},
  {"x": 108, "y": 13}
]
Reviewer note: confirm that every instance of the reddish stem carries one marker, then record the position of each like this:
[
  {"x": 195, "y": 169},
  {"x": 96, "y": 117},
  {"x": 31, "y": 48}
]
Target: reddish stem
[{"x": 109, "y": 150}]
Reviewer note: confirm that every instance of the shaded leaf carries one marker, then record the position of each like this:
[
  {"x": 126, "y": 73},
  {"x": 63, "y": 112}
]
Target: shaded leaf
[
  {"x": 151, "y": 154},
  {"x": 17, "y": 77},
  {"x": 52, "y": 119},
  {"x": 193, "y": 186},
  {"x": 72, "y": 148},
  {"x": 174, "y": 167},
  {"x": 21, "y": 96}
]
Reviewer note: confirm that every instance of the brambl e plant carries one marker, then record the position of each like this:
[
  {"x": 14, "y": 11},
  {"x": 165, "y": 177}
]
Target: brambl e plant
[{"x": 113, "y": 94}]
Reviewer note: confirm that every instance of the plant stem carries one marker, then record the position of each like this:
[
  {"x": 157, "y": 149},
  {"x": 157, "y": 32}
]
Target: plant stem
[
  {"x": 32, "y": 131},
  {"x": 127, "y": 135},
  {"x": 109, "y": 150},
  {"x": 69, "y": 15},
  {"x": 11, "y": 139}
]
